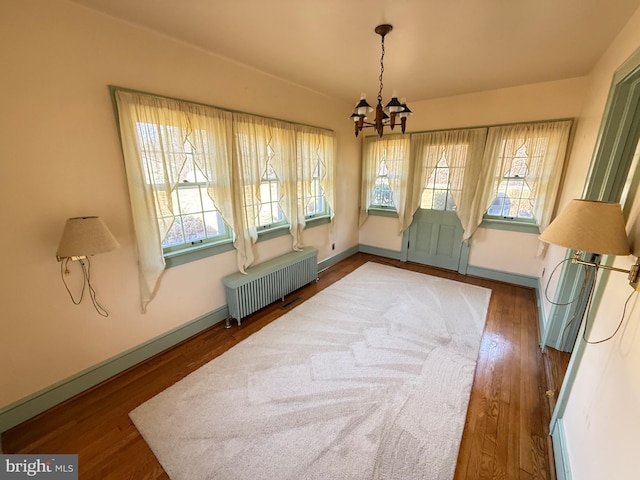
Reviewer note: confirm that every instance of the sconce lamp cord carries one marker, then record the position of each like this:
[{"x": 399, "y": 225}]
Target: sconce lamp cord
[
  {"x": 588, "y": 311},
  {"x": 578, "y": 296},
  {"x": 86, "y": 274}
]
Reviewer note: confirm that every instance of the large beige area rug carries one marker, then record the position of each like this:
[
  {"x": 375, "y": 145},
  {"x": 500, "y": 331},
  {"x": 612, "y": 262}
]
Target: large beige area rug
[{"x": 368, "y": 379}]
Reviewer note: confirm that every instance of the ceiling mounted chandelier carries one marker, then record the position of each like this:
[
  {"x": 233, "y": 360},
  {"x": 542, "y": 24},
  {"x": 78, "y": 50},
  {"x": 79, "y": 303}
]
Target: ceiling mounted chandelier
[{"x": 387, "y": 115}]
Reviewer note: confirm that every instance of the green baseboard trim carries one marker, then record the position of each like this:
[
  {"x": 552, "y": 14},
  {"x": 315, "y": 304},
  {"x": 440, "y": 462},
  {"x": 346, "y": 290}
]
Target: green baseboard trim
[
  {"x": 331, "y": 261},
  {"x": 28, "y": 407},
  {"x": 507, "y": 277},
  {"x": 382, "y": 252},
  {"x": 560, "y": 453}
]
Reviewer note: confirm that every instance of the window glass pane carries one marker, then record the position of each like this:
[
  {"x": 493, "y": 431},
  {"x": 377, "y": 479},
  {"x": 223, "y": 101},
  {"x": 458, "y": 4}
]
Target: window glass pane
[
  {"x": 196, "y": 218},
  {"x": 189, "y": 198},
  {"x": 175, "y": 235},
  {"x": 193, "y": 226},
  {"x": 314, "y": 203},
  {"x": 214, "y": 226},
  {"x": 441, "y": 177},
  {"x": 314, "y": 206},
  {"x": 439, "y": 199},
  {"x": 265, "y": 192},
  {"x": 274, "y": 193},
  {"x": 451, "y": 205},
  {"x": 382, "y": 169},
  {"x": 427, "y": 199},
  {"x": 276, "y": 213},
  {"x": 514, "y": 199},
  {"x": 207, "y": 203},
  {"x": 383, "y": 196},
  {"x": 498, "y": 204},
  {"x": 265, "y": 215}
]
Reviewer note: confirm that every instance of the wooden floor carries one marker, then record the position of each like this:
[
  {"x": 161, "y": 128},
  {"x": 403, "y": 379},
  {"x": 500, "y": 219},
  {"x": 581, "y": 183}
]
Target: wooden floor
[
  {"x": 506, "y": 430},
  {"x": 556, "y": 364}
]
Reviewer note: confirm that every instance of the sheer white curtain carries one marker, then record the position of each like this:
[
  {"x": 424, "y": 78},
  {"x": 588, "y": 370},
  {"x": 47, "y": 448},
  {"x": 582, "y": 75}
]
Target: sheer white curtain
[
  {"x": 154, "y": 133},
  {"x": 395, "y": 151},
  {"x": 546, "y": 146},
  {"x": 260, "y": 142},
  {"x": 295, "y": 153},
  {"x": 233, "y": 151},
  {"x": 315, "y": 157},
  {"x": 462, "y": 150}
]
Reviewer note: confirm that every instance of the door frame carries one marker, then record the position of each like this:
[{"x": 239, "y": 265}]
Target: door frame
[
  {"x": 608, "y": 172},
  {"x": 610, "y": 167}
]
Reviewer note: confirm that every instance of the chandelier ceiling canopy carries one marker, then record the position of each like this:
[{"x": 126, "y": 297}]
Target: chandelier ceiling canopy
[{"x": 390, "y": 113}]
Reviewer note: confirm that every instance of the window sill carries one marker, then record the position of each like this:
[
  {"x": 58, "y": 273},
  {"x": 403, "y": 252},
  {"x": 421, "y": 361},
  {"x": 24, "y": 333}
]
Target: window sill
[
  {"x": 510, "y": 225},
  {"x": 191, "y": 254},
  {"x": 317, "y": 221},
  {"x": 383, "y": 212},
  {"x": 173, "y": 259}
]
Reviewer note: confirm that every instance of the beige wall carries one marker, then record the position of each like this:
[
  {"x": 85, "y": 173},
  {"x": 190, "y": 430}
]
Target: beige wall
[
  {"x": 494, "y": 249},
  {"x": 61, "y": 158},
  {"x": 601, "y": 422}
]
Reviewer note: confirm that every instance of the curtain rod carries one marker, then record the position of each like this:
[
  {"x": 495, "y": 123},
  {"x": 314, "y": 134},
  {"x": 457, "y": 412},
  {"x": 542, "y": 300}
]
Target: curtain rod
[
  {"x": 533, "y": 122},
  {"x": 114, "y": 88}
]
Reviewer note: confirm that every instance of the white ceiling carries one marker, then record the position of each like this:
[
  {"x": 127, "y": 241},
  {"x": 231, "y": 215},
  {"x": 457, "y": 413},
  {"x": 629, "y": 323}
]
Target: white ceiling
[{"x": 437, "y": 47}]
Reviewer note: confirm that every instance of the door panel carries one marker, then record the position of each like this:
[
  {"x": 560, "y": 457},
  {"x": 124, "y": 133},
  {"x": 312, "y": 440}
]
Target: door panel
[{"x": 435, "y": 238}]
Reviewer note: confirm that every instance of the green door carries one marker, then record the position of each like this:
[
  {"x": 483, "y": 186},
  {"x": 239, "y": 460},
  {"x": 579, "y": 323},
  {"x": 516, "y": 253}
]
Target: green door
[
  {"x": 435, "y": 238},
  {"x": 435, "y": 235}
]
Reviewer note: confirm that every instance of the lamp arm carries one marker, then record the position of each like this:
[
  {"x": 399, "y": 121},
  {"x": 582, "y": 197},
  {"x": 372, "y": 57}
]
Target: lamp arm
[{"x": 633, "y": 272}]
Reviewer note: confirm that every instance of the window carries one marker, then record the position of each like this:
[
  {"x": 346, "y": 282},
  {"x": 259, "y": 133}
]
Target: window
[
  {"x": 527, "y": 162},
  {"x": 437, "y": 192},
  {"x": 385, "y": 172},
  {"x": 265, "y": 209},
  {"x": 514, "y": 199},
  {"x": 197, "y": 174},
  {"x": 382, "y": 193},
  {"x": 314, "y": 202},
  {"x": 196, "y": 220},
  {"x": 508, "y": 173},
  {"x": 186, "y": 214}
]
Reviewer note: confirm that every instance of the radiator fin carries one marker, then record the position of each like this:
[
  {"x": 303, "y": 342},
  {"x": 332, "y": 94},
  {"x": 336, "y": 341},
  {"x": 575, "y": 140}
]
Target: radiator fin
[{"x": 269, "y": 281}]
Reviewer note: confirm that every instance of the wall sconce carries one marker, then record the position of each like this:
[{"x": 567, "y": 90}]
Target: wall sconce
[
  {"x": 81, "y": 238},
  {"x": 595, "y": 227}
]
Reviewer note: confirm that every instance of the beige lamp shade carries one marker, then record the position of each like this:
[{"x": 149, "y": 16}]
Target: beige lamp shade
[
  {"x": 589, "y": 226},
  {"x": 84, "y": 236}
]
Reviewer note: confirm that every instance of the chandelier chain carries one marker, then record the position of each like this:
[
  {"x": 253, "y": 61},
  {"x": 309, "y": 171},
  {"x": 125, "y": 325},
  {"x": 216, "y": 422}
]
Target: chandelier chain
[{"x": 381, "y": 70}]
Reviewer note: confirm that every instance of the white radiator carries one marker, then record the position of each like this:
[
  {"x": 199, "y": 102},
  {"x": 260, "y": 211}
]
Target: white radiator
[{"x": 269, "y": 281}]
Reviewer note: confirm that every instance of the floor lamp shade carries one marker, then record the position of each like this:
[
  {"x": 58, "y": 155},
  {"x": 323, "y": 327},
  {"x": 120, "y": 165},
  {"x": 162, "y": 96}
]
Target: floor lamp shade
[
  {"x": 84, "y": 236},
  {"x": 589, "y": 226}
]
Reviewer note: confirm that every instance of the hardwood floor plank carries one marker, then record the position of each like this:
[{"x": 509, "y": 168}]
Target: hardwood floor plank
[{"x": 505, "y": 434}]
